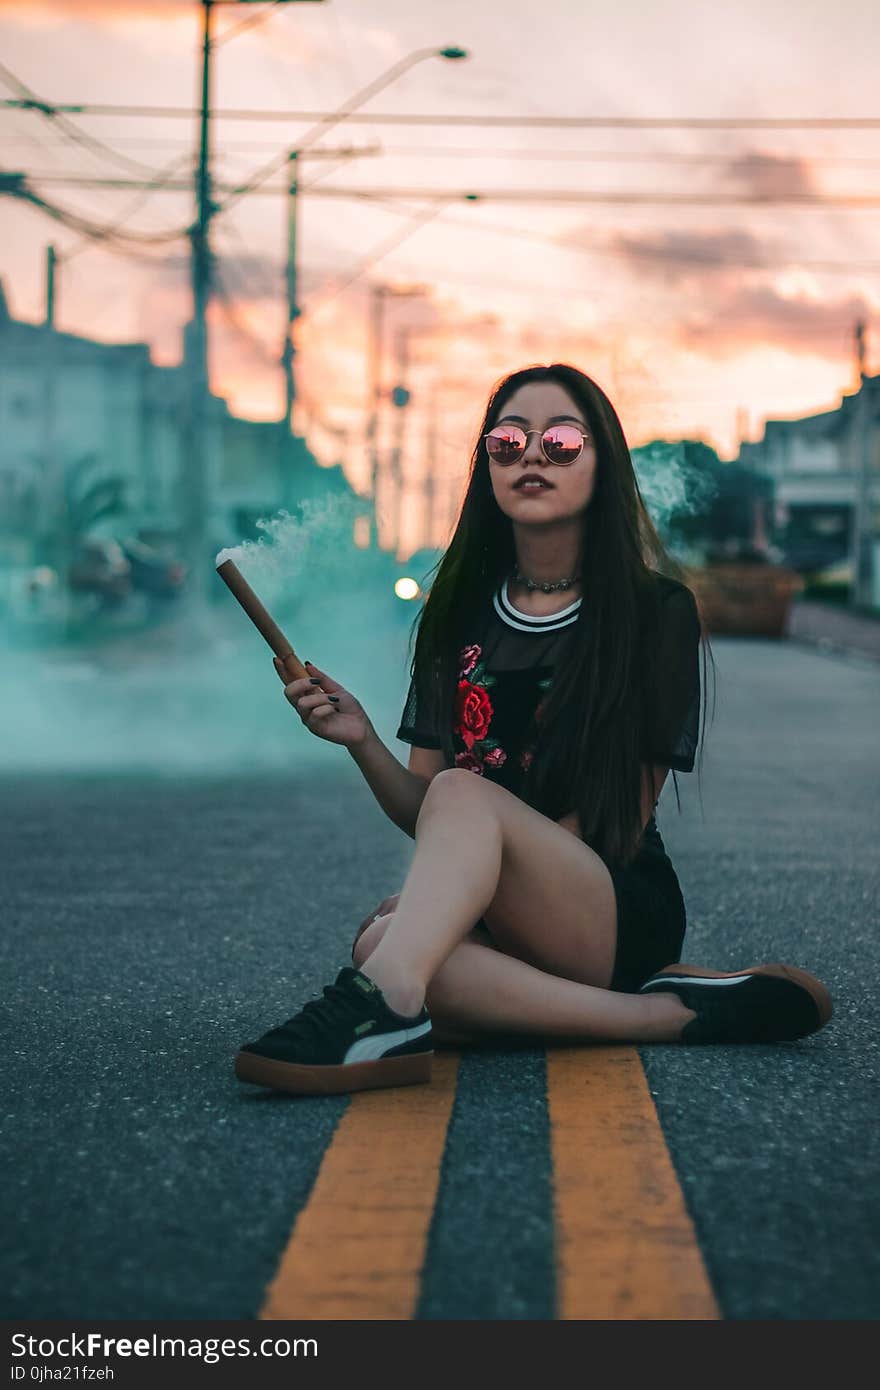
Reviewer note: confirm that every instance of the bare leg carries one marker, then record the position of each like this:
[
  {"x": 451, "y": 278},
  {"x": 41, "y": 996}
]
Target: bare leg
[
  {"x": 438, "y": 904},
  {"x": 479, "y": 990},
  {"x": 480, "y": 851}
]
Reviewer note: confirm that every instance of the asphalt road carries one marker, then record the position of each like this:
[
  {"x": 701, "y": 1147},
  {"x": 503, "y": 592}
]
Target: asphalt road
[{"x": 150, "y": 925}]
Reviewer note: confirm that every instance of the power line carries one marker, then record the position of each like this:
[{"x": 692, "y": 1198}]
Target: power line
[
  {"x": 254, "y": 291},
  {"x": 168, "y": 184},
  {"x": 544, "y": 239},
  {"x": 548, "y": 155},
  {"x": 129, "y": 211},
  {"x": 110, "y": 230},
  {"x": 853, "y": 201},
  {"x": 495, "y": 152},
  {"x": 422, "y": 216},
  {"x": 16, "y": 186},
  {"x": 235, "y": 29},
  {"x": 31, "y": 102},
  {"x": 483, "y": 120},
  {"x": 383, "y": 249},
  {"x": 315, "y": 132}
]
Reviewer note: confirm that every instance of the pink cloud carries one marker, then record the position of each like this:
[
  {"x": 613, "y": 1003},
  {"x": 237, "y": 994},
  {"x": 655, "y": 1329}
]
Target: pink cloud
[
  {"x": 672, "y": 255},
  {"x": 770, "y": 175},
  {"x": 752, "y": 315}
]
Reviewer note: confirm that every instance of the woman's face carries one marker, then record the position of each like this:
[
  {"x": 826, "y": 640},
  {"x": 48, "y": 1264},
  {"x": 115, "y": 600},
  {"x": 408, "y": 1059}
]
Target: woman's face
[{"x": 533, "y": 407}]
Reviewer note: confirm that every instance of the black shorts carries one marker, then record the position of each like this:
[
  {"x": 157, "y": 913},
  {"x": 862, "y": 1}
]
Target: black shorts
[{"x": 651, "y": 920}]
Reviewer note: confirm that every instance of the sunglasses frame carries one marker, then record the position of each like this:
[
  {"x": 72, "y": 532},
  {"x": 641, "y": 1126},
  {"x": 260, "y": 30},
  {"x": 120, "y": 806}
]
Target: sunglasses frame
[{"x": 528, "y": 434}]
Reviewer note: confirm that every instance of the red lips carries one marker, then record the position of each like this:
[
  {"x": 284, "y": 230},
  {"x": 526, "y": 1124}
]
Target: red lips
[{"x": 537, "y": 477}]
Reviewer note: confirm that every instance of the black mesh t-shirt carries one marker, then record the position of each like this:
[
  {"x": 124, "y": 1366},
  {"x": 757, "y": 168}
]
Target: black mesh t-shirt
[{"x": 507, "y": 667}]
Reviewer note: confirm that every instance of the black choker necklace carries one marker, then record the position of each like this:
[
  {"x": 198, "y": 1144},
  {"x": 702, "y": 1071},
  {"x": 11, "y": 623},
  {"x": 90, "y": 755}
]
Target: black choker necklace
[{"x": 546, "y": 588}]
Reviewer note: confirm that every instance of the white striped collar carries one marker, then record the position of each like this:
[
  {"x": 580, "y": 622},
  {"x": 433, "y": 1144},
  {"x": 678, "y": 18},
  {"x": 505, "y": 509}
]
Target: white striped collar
[{"x": 525, "y": 622}]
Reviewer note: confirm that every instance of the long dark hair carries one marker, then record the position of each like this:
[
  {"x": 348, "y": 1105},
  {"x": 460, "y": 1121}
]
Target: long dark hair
[{"x": 588, "y": 752}]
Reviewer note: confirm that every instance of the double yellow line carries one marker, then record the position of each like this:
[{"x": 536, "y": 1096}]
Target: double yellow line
[{"x": 625, "y": 1245}]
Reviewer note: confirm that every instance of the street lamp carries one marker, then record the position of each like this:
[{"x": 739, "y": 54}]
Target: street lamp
[
  {"x": 380, "y": 294},
  {"x": 378, "y": 84}
]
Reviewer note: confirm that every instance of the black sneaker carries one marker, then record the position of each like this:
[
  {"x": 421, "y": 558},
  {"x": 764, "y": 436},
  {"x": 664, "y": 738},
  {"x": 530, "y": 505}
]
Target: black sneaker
[
  {"x": 765, "y": 1003},
  {"x": 347, "y": 1040}
]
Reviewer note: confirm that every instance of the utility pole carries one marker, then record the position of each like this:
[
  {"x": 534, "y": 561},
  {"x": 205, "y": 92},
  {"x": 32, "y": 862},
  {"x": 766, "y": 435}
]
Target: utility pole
[
  {"x": 287, "y": 453},
  {"x": 195, "y": 412},
  {"x": 430, "y": 484},
  {"x": 400, "y": 397},
  {"x": 375, "y": 350},
  {"x": 197, "y": 493},
  {"x": 53, "y": 517},
  {"x": 862, "y": 547},
  {"x": 51, "y": 263},
  {"x": 291, "y": 439},
  {"x": 377, "y": 319}
]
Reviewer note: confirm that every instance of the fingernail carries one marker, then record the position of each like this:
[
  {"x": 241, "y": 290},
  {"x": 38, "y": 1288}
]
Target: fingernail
[
  {"x": 334, "y": 698},
  {"x": 314, "y": 680}
]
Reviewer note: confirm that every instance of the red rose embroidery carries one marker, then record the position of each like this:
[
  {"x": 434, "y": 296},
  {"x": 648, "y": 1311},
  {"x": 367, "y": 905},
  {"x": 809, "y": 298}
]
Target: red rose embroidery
[
  {"x": 473, "y": 713},
  {"x": 496, "y": 758},
  {"x": 469, "y": 762},
  {"x": 469, "y": 656}
]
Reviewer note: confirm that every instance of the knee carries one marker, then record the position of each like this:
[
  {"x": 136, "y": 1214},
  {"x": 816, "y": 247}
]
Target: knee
[
  {"x": 449, "y": 787},
  {"x": 366, "y": 943}
]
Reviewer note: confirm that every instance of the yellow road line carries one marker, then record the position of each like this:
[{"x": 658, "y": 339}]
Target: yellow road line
[
  {"x": 625, "y": 1245},
  {"x": 358, "y": 1246}
]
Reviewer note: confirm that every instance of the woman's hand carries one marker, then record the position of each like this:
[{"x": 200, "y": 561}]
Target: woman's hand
[
  {"x": 341, "y": 720},
  {"x": 386, "y": 906}
]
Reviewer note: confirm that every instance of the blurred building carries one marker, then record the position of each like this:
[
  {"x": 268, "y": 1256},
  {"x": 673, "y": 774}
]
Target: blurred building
[
  {"x": 815, "y": 463},
  {"x": 91, "y": 442}
]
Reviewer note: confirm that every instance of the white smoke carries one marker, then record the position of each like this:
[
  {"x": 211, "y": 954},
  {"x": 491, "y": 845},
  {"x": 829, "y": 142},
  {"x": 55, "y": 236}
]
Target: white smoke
[
  {"x": 668, "y": 483},
  {"x": 313, "y": 548},
  {"x": 165, "y": 700}
]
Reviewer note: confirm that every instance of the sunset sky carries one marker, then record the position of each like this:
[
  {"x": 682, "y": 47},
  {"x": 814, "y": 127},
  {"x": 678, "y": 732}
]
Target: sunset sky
[{"x": 697, "y": 319}]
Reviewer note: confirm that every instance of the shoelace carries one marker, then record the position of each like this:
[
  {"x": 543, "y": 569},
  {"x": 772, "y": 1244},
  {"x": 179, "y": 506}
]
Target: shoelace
[{"x": 336, "y": 1005}]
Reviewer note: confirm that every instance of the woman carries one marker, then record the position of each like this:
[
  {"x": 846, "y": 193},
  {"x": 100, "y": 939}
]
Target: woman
[{"x": 556, "y": 659}]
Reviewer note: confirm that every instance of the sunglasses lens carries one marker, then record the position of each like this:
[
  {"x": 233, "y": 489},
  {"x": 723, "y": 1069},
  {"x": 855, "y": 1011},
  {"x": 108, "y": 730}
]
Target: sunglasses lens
[
  {"x": 505, "y": 443},
  {"x": 562, "y": 443}
]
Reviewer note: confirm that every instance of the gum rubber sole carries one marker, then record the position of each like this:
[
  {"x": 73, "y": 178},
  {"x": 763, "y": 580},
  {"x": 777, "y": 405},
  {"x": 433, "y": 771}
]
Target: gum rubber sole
[
  {"x": 815, "y": 988},
  {"x": 407, "y": 1070}
]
